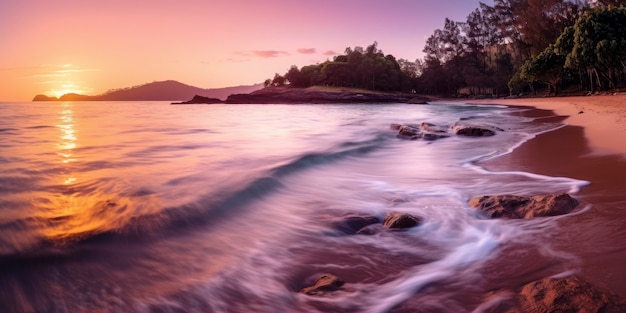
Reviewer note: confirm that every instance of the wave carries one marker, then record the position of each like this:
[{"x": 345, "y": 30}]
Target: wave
[{"x": 119, "y": 222}]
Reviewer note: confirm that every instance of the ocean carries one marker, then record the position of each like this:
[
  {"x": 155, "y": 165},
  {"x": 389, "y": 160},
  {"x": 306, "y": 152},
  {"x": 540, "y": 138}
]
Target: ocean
[{"x": 151, "y": 207}]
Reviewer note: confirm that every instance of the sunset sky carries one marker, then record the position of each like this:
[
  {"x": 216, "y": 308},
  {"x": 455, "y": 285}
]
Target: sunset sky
[{"x": 89, "y": 47}]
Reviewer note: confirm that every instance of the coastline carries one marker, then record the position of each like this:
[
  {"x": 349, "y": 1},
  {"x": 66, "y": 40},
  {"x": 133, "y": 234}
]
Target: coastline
[
  {"x": 603, "y": 117},
  {"x": 591, "y": 147}
]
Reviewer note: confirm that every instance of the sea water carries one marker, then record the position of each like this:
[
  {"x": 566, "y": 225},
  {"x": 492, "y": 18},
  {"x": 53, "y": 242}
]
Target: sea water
[{"x": 150, "y": 207}]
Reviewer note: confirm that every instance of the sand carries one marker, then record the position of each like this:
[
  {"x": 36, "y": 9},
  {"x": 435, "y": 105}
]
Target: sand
[
  {"x": 592, "y": 147},
  {"x": 602, "y": 117}
]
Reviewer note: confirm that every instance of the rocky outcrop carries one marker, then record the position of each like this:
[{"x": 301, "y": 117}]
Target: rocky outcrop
[
  {"x": 570, "y": 294},
  {"x": 200, "y": 100},
  {"x": 325, "y": 283},
  {"x": 397, "y": 220},
  {"x": 520, "y": 207},
  {"x": 287, "y": 95}
]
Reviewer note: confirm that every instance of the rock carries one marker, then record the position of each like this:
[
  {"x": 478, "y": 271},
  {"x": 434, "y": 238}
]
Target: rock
[
  {"x": 324, "y": 284},
  {"x": 200, "y": 100},
  {"x": 352, "y": 224},
  {"x": 432, "y": 128},
  {"x": 472, "y": 130},
  {"x": 569, "y": 294},
  {"x": 396, "y": 220},
  {"x": 431, "y": 136},
  {"x": 524, "y": 207},
  {"x": 408, "y": 132}
]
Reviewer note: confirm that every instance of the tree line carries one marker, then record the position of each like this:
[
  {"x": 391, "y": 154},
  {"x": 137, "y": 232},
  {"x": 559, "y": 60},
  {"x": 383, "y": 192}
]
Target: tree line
[
  {"x": 511, "y": 47},
  {"x": 367, "y": 68}
]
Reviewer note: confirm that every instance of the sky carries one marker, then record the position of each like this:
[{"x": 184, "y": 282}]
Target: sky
[{"x": 89, "y": 47}]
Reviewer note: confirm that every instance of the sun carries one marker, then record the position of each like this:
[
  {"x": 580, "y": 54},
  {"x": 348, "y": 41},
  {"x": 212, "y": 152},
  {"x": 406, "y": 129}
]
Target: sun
[{"x": 67, "y": 88}]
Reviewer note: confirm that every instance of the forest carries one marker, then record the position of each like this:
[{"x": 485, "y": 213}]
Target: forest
[{"x": 510, "y": 48}]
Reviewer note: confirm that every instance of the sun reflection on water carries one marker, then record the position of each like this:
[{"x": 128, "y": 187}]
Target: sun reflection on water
[{"x": 67, "y": 139}]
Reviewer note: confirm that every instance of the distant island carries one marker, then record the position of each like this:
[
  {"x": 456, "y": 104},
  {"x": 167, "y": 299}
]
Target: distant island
[{"x": 168, "y": 90}]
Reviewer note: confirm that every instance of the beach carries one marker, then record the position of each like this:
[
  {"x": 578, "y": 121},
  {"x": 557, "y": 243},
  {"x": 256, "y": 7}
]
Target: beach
[
  {"x": 590, "y": 147},
  {"x": 602, "y": 117}
]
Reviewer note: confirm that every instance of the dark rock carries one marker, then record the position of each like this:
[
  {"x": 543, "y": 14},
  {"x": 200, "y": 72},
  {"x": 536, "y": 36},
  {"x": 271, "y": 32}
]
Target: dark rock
[
  {"x": 524, "y": 207},
  {"x": 431, "y": 136},
  {"x": 570, "y": 294},
  {"x": 409, "y": 131},
  {"x": 397, "y": 220},
  {"x": 472, "y": 130},
  {"x": 200, "y": 100},
  {"x": 352, "y": 224},
  {"x": 324, "y": 284}
]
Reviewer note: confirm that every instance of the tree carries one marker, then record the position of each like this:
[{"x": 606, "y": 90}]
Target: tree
[
  {"x": 278, "y": 80},
  {"x": 599, "y": 46}
]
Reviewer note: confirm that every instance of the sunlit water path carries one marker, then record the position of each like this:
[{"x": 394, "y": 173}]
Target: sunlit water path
[{"x": 148, "y": 207}]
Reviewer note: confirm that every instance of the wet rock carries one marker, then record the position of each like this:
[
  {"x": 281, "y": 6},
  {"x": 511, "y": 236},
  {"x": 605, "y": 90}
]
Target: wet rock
[
  {"x": 431, "y": 136},
  {"x": 352, "y": 224},
  {"x": 570, "y": 294},
  {"x": 397, "y": 220},
  {"x": 472, "y": 130},
  {"x": 324, "y": 284},
  {"x": 520, "y": 207},
  {"x": 432, "y": 128},
  {"x": 408, "y": 132}
]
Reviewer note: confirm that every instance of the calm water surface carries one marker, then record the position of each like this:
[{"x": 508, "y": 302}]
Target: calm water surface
[{"x": 149, "y": 207}]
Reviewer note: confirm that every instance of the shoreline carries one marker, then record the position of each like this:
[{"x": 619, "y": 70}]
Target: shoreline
[
  {"x": 590, "y": 147},
  {"x": 602, "y": 117}
]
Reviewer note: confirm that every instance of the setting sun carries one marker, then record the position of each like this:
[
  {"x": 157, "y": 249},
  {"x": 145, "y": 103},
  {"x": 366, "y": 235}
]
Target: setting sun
[{"x": 65, "y": 89}]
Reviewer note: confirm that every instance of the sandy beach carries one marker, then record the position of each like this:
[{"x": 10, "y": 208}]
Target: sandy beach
[
  {"x": 603, "y": 117},
  {"x": 592, "y": 147}
]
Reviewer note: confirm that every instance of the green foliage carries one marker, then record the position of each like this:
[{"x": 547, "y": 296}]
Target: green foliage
[{"x": 365, "y": 68}]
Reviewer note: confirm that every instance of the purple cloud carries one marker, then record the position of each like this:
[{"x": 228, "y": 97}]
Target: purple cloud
[
  {"x": 269, "y": 53},
  {"x": 306, "y": 50},
  {"x": 330, "y": 53}
]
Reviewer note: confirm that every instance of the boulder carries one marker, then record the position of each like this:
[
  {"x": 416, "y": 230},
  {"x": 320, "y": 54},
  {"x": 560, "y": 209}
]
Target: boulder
[
  {"x": 352, "y": 224},
  {"x": 473, "y": 130},
  {"x": 323, "y": 285},
  {"x": 397, "y": 220},
  {"x": 408, "y": 132},
  {"x": 521, "y": 207},
  {"x": 570, "y": 294}
]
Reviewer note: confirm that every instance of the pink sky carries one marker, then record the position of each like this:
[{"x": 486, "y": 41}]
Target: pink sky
[{"x": 89, "y": 47}]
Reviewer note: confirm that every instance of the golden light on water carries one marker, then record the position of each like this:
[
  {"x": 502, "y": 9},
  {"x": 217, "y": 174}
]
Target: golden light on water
[{"x": 67, "y": 139}]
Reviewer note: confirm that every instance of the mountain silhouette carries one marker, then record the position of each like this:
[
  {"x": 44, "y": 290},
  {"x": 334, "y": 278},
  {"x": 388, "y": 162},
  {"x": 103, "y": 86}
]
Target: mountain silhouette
[{"x": 169, "y": 90}]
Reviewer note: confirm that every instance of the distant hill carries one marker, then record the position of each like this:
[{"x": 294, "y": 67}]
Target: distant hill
[{"x": 168, "y": 90}]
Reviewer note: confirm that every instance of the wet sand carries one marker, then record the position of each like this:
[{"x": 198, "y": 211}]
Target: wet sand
[{"x": 592, "y": 147}]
